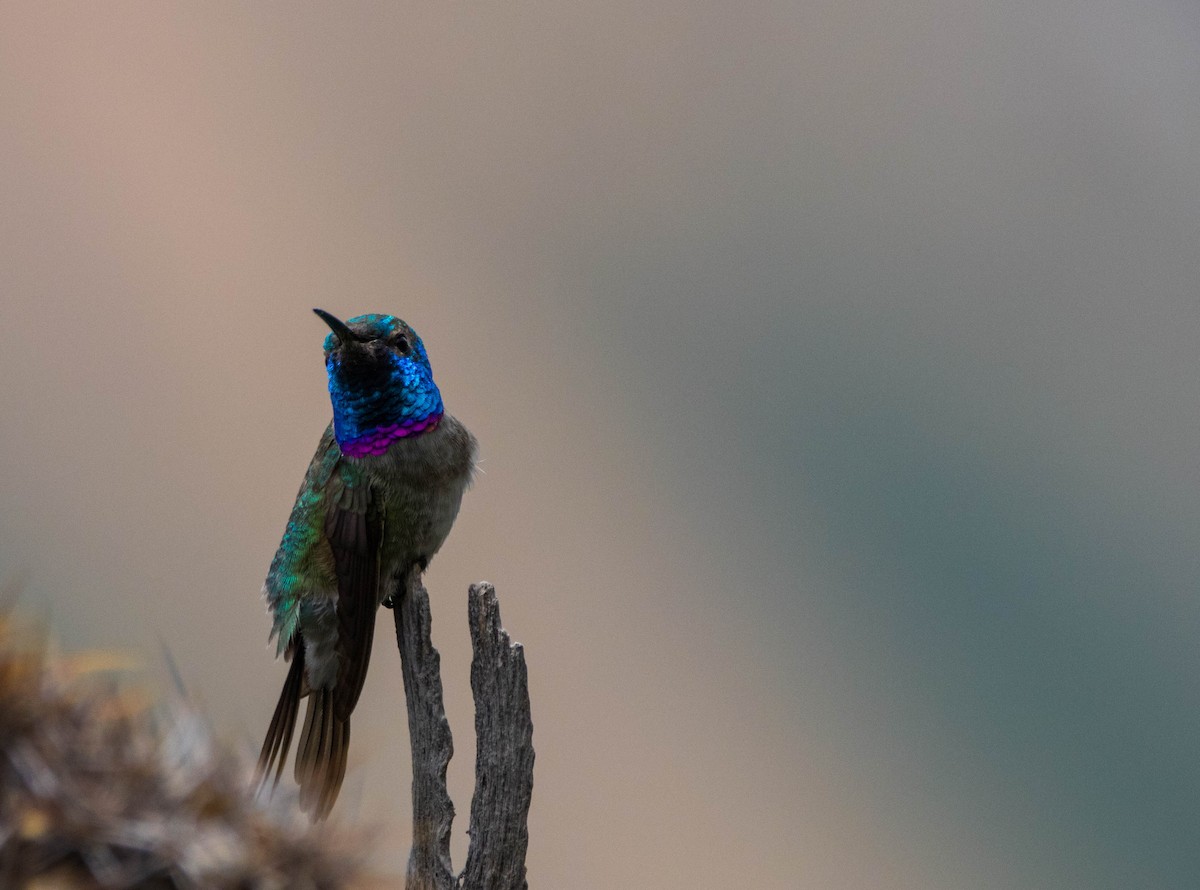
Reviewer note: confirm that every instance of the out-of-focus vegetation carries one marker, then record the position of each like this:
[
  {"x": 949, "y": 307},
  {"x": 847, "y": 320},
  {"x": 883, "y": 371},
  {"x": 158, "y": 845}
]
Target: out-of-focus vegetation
[{"x": 100, "y": 787}]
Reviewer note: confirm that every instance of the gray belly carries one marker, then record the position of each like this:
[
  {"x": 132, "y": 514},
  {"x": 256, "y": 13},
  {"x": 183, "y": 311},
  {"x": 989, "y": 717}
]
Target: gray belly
[
  {"x": 416, "y": 523},
  {"x": 422, "y": 481}
]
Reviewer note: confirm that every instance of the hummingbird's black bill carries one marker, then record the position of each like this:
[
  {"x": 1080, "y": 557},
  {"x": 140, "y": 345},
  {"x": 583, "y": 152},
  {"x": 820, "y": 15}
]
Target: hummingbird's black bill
[{"x": 337, "y": 326}]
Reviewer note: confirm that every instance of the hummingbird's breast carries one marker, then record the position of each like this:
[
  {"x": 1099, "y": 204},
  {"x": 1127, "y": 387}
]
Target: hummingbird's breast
[{"x": 420, "y": 481}]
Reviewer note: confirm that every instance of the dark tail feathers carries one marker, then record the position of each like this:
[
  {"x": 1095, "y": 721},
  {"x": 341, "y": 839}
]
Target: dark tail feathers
[{"x": 324, "y": 741}]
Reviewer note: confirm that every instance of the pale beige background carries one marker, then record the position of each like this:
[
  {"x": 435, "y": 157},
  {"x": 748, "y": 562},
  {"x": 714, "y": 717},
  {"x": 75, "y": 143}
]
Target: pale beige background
[{"x": 835, "y": 366}]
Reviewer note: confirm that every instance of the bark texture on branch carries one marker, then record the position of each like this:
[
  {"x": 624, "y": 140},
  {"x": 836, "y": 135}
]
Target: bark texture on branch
[
  {"x": 504, "y": 758},
  {"x": 432, "y": 745},
  {"x": 504, "y": 754}
]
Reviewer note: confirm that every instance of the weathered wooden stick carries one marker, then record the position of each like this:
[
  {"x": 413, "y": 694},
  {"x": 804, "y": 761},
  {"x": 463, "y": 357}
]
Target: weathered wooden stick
[
  {"x": 504, "y": 757},
  {"x": 432, "y": 745},
  {"x": 504, "y": 752}
]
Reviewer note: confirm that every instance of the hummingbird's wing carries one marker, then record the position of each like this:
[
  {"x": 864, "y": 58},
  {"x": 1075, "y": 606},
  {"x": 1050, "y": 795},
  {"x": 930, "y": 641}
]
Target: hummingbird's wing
[{"x": 354, "y": 530}]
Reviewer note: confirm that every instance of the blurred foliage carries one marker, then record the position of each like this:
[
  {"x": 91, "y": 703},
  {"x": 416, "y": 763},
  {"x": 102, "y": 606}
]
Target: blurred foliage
[{"x": 102, "y": 788}]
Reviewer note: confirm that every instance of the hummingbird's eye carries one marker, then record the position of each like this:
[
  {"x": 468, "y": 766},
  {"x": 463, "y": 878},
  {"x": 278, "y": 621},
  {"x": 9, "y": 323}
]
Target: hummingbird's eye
[{"x": 400, "y": 344}]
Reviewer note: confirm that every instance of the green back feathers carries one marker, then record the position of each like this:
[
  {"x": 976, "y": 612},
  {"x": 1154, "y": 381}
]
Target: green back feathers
[{"x": 299, "y": 562}]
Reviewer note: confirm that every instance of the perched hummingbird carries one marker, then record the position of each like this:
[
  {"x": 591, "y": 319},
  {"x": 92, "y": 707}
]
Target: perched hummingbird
[{"x": 377, "y": 502}]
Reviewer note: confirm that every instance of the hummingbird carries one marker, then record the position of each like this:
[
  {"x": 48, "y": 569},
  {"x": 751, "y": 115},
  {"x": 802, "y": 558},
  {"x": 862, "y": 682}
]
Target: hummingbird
[{"x": 378, "y": 500}]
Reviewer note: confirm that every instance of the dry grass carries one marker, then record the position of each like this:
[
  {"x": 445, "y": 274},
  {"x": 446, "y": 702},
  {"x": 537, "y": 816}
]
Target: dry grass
[{"x": 102, "y": 788}]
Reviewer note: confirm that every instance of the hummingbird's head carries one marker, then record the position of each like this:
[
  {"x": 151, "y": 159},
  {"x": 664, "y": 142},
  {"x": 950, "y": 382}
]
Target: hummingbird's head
[{"x": 380, "y": 383}]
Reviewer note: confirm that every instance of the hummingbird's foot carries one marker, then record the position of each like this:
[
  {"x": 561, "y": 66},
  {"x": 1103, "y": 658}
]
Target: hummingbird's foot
[{"x": 389, "y": 601}]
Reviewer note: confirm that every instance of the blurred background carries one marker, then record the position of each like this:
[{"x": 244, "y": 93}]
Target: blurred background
[{"x": 835, "y": 367}]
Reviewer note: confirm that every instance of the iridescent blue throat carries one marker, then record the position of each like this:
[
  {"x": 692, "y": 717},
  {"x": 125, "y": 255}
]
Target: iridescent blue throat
[{"x": 405, "y": 402}]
